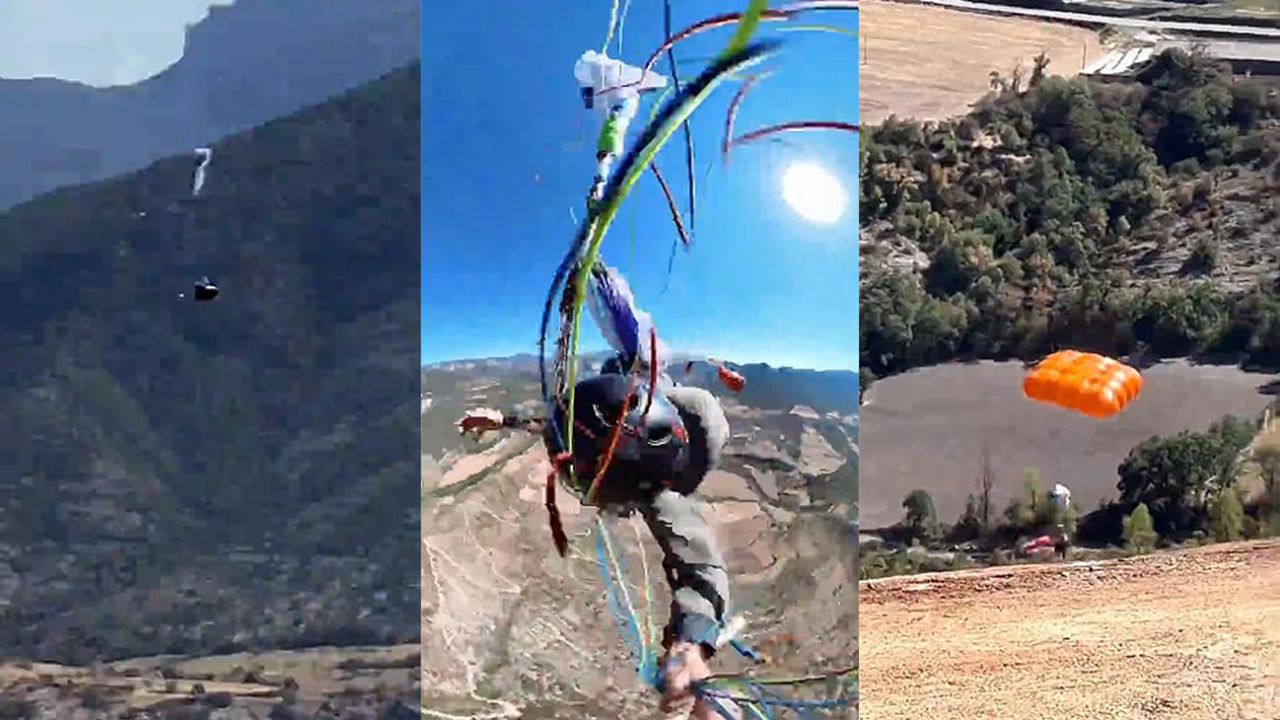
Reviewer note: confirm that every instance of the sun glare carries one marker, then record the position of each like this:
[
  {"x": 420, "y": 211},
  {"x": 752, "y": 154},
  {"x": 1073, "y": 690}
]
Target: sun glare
[{"x": 813, "y": 193}]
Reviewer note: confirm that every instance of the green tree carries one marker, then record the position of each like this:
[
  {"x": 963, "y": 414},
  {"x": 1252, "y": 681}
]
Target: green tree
[
  {"x": 1031, "y": 511},
  {"x": 921, "y": 519},
  {"x": 900, "y": 325},
  {"x": 1188, "y": 107},
  {"x": 1180, "y": 318},
  {"x": 1139, "y": 531},
  {"x": 1267, "y": 455},
  {"x": 1226, "y": 516},
  {"x": 1204, "y": 258},
  {"x": 1176, "y": 476},
  {"x": 986, "y": 483},
  {"x": 969, "y": 526}
]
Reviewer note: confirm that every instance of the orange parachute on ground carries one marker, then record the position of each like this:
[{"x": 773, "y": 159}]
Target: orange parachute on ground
[{"x": 1090, "y": 384}]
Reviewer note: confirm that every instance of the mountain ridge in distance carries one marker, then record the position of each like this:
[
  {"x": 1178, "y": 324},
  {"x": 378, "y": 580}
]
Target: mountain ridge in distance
[
  {"x": 767, "y": 387},
  {"x": 676, "y": 358},
  {"x": 241, "y": 66}
]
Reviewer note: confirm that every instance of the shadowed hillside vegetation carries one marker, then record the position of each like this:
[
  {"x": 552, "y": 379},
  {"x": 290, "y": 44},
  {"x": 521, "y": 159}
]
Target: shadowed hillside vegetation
[
  {"x": 184, "y": 478},
  {"x": 1125, "y": 218}
]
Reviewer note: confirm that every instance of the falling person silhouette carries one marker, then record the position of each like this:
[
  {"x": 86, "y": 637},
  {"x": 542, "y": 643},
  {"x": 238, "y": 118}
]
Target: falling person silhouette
[{"x": 646, "y": 450}]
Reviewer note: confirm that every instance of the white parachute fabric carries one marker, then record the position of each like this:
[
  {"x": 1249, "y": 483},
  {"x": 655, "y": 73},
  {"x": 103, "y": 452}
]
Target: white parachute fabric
[
  {"x": 626, "y": 327},
  {"x": 197, "y": 184},
  {"x": 609, "y": 84},
  {"x": 611, "y": 88},
  {"x": 1061, "y": 497}
]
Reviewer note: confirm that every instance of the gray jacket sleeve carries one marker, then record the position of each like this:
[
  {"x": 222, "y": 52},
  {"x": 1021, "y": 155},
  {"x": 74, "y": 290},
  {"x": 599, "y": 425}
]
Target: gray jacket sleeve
[
  {"x": 708, "y": 432},
  {"x": 694, "y": 568}
]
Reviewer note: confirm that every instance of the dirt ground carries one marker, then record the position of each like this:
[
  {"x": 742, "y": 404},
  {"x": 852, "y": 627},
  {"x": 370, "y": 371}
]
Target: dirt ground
[
  {"x": 1185, "y": 635},
  {"x": 930, "y": 63},
  {"x": 926, "y": 428},
  {"x": 487, "y": 564},
  {"x": 149, "y": 683}
]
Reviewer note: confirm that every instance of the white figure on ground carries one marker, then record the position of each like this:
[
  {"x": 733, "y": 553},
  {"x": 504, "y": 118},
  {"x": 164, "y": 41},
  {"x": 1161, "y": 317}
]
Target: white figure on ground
[{"x": 1061, "y": 498}]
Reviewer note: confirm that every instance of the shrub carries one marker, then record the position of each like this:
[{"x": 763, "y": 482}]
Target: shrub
[
  {"x": 1226, "y": 516},
  {"x": 1139, "y": 532}
]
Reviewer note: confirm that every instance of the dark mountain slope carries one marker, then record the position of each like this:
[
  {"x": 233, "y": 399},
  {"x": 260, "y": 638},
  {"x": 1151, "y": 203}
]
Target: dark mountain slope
[{"x": 149, "y": 436}]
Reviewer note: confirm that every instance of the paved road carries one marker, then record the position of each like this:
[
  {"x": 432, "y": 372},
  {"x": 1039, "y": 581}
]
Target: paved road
[
  {"x": 1231, "y": 49},
  {"x": 1159, "y": 25}
]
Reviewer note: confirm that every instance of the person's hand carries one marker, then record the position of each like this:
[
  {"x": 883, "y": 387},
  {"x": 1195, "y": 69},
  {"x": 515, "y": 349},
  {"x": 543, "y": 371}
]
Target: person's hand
[
  {"x": 478, "y": 422},
  {"x": 683, "y": 667}
]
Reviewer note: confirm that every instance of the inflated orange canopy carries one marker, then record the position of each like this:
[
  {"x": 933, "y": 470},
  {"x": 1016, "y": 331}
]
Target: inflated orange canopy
[
  {"x": 730, "y": 379},
  {"x": 1090, "y": 384}
]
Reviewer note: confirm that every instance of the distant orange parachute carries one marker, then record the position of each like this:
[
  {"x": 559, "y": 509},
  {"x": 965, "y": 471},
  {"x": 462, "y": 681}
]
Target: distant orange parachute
[
  {"x": 1090, "y": 384},
  {"x": 730, "y": 379}
]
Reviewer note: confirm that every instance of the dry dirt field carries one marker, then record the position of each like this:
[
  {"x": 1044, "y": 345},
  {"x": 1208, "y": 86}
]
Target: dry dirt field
[
  {"x": 925, "y": 429},
  {"x": 252, "y": 683},
  {"x": 931, "y": 63},
  {"x": 1186, "y": 635}
]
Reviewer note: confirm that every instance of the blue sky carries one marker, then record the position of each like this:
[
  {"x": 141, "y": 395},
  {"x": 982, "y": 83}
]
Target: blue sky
[
  {"x": 508, "y": 150},
  {"x": 94, "y": 42}
]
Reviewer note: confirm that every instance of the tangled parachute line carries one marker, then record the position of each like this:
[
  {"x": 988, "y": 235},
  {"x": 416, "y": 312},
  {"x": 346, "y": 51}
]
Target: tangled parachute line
[
  {"x": 632, "y": 609},
  {"x": 583, "y": 253},
  {"x": 635, "y": 337}
]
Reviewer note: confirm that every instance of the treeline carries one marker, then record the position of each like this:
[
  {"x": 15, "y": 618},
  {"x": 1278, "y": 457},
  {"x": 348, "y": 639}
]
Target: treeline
[
  {"x": 1034, "y": 210},
  {"x": 1175, "y": 489}
]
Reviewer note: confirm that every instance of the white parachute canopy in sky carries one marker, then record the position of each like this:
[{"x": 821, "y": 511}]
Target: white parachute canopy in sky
[
  {"x": 612, "y": 82},
  {"x": 1061, "y": 496},
  {"x": 205, "y": 155}
]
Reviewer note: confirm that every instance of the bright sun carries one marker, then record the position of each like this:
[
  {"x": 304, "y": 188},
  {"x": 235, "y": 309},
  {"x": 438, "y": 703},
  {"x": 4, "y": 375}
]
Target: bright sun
[{"x": 814, "y": 193}]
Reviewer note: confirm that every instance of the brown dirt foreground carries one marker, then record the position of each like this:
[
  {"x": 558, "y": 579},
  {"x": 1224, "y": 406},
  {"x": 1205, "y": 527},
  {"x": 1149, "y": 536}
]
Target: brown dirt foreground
[
  {"x": 1183, "y": 635},
  {"x": 929, "y": 63}
]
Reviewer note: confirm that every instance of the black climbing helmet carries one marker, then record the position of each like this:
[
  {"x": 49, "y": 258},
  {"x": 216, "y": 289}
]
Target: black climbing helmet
[{"x": 652, "y": 449}]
